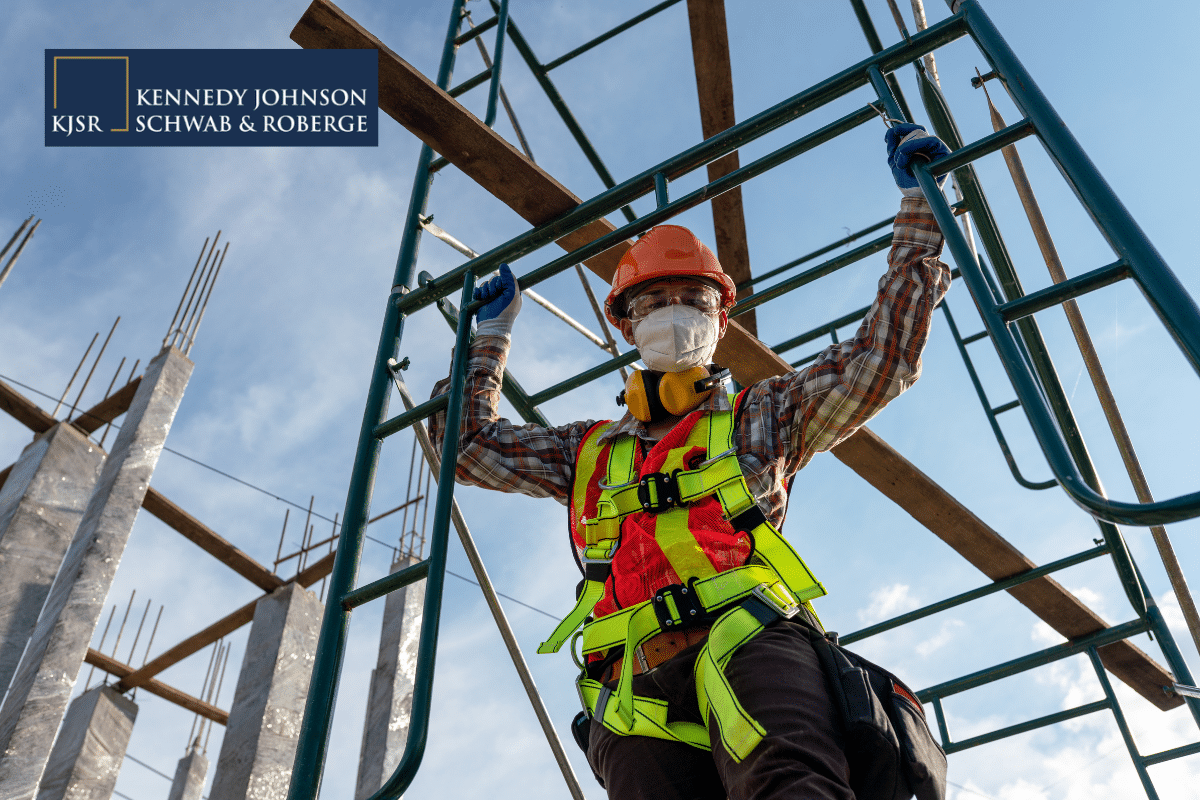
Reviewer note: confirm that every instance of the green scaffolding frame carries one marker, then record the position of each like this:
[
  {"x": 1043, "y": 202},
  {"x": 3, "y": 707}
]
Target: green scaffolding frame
[{"x": 1004, "y": 307}]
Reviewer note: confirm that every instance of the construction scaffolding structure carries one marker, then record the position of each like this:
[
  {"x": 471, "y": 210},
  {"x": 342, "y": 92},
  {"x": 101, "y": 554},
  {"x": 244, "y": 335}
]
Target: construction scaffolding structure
[{"x": 453, "y": 136}]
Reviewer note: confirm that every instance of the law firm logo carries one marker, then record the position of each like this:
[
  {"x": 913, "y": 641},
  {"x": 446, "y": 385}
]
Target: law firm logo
[
  {"x": 110, "y": 98},
  {"x": 94, "y": 91}
]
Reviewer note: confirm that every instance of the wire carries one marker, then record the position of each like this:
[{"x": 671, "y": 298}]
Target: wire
[
  {"x": 282, "y": 500},
  {"x": 147, "y": 766},
  {"x": 505, "y": 596}
]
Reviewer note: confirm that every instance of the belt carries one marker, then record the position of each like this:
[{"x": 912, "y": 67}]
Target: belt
[{"x": 657, "y": 650}]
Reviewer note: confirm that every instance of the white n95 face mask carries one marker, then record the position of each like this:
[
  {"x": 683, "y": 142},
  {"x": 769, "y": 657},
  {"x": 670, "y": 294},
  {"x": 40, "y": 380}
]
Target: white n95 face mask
[{"x": 676, "y": 338}]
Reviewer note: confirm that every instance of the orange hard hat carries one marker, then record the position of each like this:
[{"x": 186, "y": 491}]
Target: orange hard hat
[{"x": 666, "y": 251}]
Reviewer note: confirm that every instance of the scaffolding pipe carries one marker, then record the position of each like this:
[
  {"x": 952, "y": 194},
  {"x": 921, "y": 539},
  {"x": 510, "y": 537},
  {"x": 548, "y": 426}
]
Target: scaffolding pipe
[
  {"x": 427, "y": 224},
  {"x": 489, "y": 593},
  {"x": 1091, "y": 359}
]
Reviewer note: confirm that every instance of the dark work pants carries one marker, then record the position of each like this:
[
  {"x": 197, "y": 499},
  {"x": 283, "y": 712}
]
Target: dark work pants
[{"x": 777, "y": 678}]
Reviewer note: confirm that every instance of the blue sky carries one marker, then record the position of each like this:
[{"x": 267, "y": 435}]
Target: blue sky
[{"x": 285, "y": 349}]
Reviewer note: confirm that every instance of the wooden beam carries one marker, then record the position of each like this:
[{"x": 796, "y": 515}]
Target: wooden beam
[
  {"x": 441, "y": 122},
  {"x": 29, "y": 414},
  {"x": 24, "y": 410},
  {"x": 222, "y": 627},
  {"x": 210, "y": 541},
  {"x": 994, "y": 556},
  {"x": 158, "y": 688},
  {"x": 714, "y": 87},
  {"x": 107, "y": 409}
]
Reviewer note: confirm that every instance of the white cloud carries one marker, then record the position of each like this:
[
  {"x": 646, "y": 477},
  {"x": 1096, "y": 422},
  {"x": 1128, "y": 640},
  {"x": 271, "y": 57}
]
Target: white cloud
[
  {"x": 887, "y": 602},
  {"x": 942, "y": 638}
]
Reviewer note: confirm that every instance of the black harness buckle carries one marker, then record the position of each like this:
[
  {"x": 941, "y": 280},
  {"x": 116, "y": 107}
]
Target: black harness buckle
[
  {"x": 658, "y": 492},
  {"x": 677, "y": 607}
]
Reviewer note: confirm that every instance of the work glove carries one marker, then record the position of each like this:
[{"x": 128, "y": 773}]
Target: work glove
[
  {"x": 907, "y": 143},
  {"x": 503, "y": 298}
]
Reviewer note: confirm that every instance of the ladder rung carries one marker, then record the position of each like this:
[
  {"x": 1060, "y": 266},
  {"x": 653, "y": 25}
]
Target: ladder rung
[
  {"x": 975, "y": 337},
  {"x": 1006, "y": 407},
  {"x": 471, "y": 83},
  {"x": 397, "y": 580}
]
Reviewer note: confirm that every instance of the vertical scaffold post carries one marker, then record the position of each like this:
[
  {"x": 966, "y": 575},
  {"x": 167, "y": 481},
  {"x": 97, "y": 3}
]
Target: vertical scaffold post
[{"x": 318, "y": 712}]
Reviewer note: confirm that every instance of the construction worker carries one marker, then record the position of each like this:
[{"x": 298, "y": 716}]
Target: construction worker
[{"x": 700, "y": 678}]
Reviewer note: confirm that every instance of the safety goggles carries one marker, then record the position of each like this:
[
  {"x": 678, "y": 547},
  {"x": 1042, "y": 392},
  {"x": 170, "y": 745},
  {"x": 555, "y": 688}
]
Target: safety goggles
[{"x": 705, "y": 299}]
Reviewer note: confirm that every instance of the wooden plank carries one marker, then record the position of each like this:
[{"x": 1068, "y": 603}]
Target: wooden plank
[
  {"x": 158, "y": 688},
  {"x": 714, "y": 87},
  {"x": 222, "y": 627},
  {"x": 210, "y": 541},
  {"x": 107, "y": 409},
  {"x": 442, "y": 123},
  {"x": 953, "y": 523},
  {"x": 24, "y": 410}
]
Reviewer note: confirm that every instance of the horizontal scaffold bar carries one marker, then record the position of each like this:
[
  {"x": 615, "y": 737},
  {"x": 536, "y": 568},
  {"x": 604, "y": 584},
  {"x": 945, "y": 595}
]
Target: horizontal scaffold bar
[{"x": 731, "y": 139}]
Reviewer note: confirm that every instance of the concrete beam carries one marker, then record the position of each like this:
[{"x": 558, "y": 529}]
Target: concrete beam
[
  {"x": 41, "y": 687},
  {"x": 714, "y": 88},
  {"x": 259, "y": 745},
  {"x": 40, "y": 508},
  {"x": 441, "y": 122},
  {"x": 90, "y": 748}
]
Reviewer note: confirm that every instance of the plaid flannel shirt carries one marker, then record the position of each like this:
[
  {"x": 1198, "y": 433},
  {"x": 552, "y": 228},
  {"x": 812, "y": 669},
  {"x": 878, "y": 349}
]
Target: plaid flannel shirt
[{"x": 784, "y": 421}]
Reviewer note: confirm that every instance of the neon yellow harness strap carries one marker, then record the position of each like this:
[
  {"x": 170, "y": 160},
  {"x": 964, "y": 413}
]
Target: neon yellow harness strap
[{"x": 649, "y": 717}]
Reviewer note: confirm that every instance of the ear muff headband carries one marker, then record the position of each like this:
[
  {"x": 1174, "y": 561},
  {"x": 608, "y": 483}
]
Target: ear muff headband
[{"x": 653, "y": 396}]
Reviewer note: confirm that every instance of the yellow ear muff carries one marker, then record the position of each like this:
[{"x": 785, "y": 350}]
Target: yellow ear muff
[
  {"x": 635, "y": 397},
  {"x": 651, "y": 396},
  {"x": 677, "y": 390}
]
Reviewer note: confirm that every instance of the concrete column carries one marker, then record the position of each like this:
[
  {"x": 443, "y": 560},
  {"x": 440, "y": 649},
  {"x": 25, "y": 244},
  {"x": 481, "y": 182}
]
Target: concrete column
[
  {"x": 389, "y": 704},
  {"x": 41, "y": 687},
  {"x": 87, "y": 756},
  {"x": 190, "y": 775},
  {"x": 40, "y": 507},
  {"x": 259, "y": 746}
]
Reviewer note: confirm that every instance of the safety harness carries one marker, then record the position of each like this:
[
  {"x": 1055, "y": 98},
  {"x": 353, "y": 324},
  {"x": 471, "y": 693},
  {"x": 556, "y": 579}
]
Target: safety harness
[{"x": 737, "y": 602}]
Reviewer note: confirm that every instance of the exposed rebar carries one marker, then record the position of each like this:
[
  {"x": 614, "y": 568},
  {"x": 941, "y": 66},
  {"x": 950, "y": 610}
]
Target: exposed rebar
[
  {"x": 138, "y": 635},
  {"x": 190, "y": 293},
  {"x": 8, "y": 267},
  {"x": 74, "y": 375},
  {"x": 187, "y": 289},
  {"x": 20, "y": 228},
  {"x": 124, "y": 619},
  {"x": 100, "y": 647},
  {"x": 92, "y": 371},
  {"x": 217, "y": 696},
  {"x": 195, "y": 331},
  {"x": 282, "y": 534},
  {"x": 150, "y": 641}
]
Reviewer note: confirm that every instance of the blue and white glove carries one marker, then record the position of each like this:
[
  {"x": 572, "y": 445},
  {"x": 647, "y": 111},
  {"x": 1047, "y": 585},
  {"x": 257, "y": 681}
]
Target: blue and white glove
[
  {"x": 907, "y": 143},
  {"x": 503, "y": 298}
]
